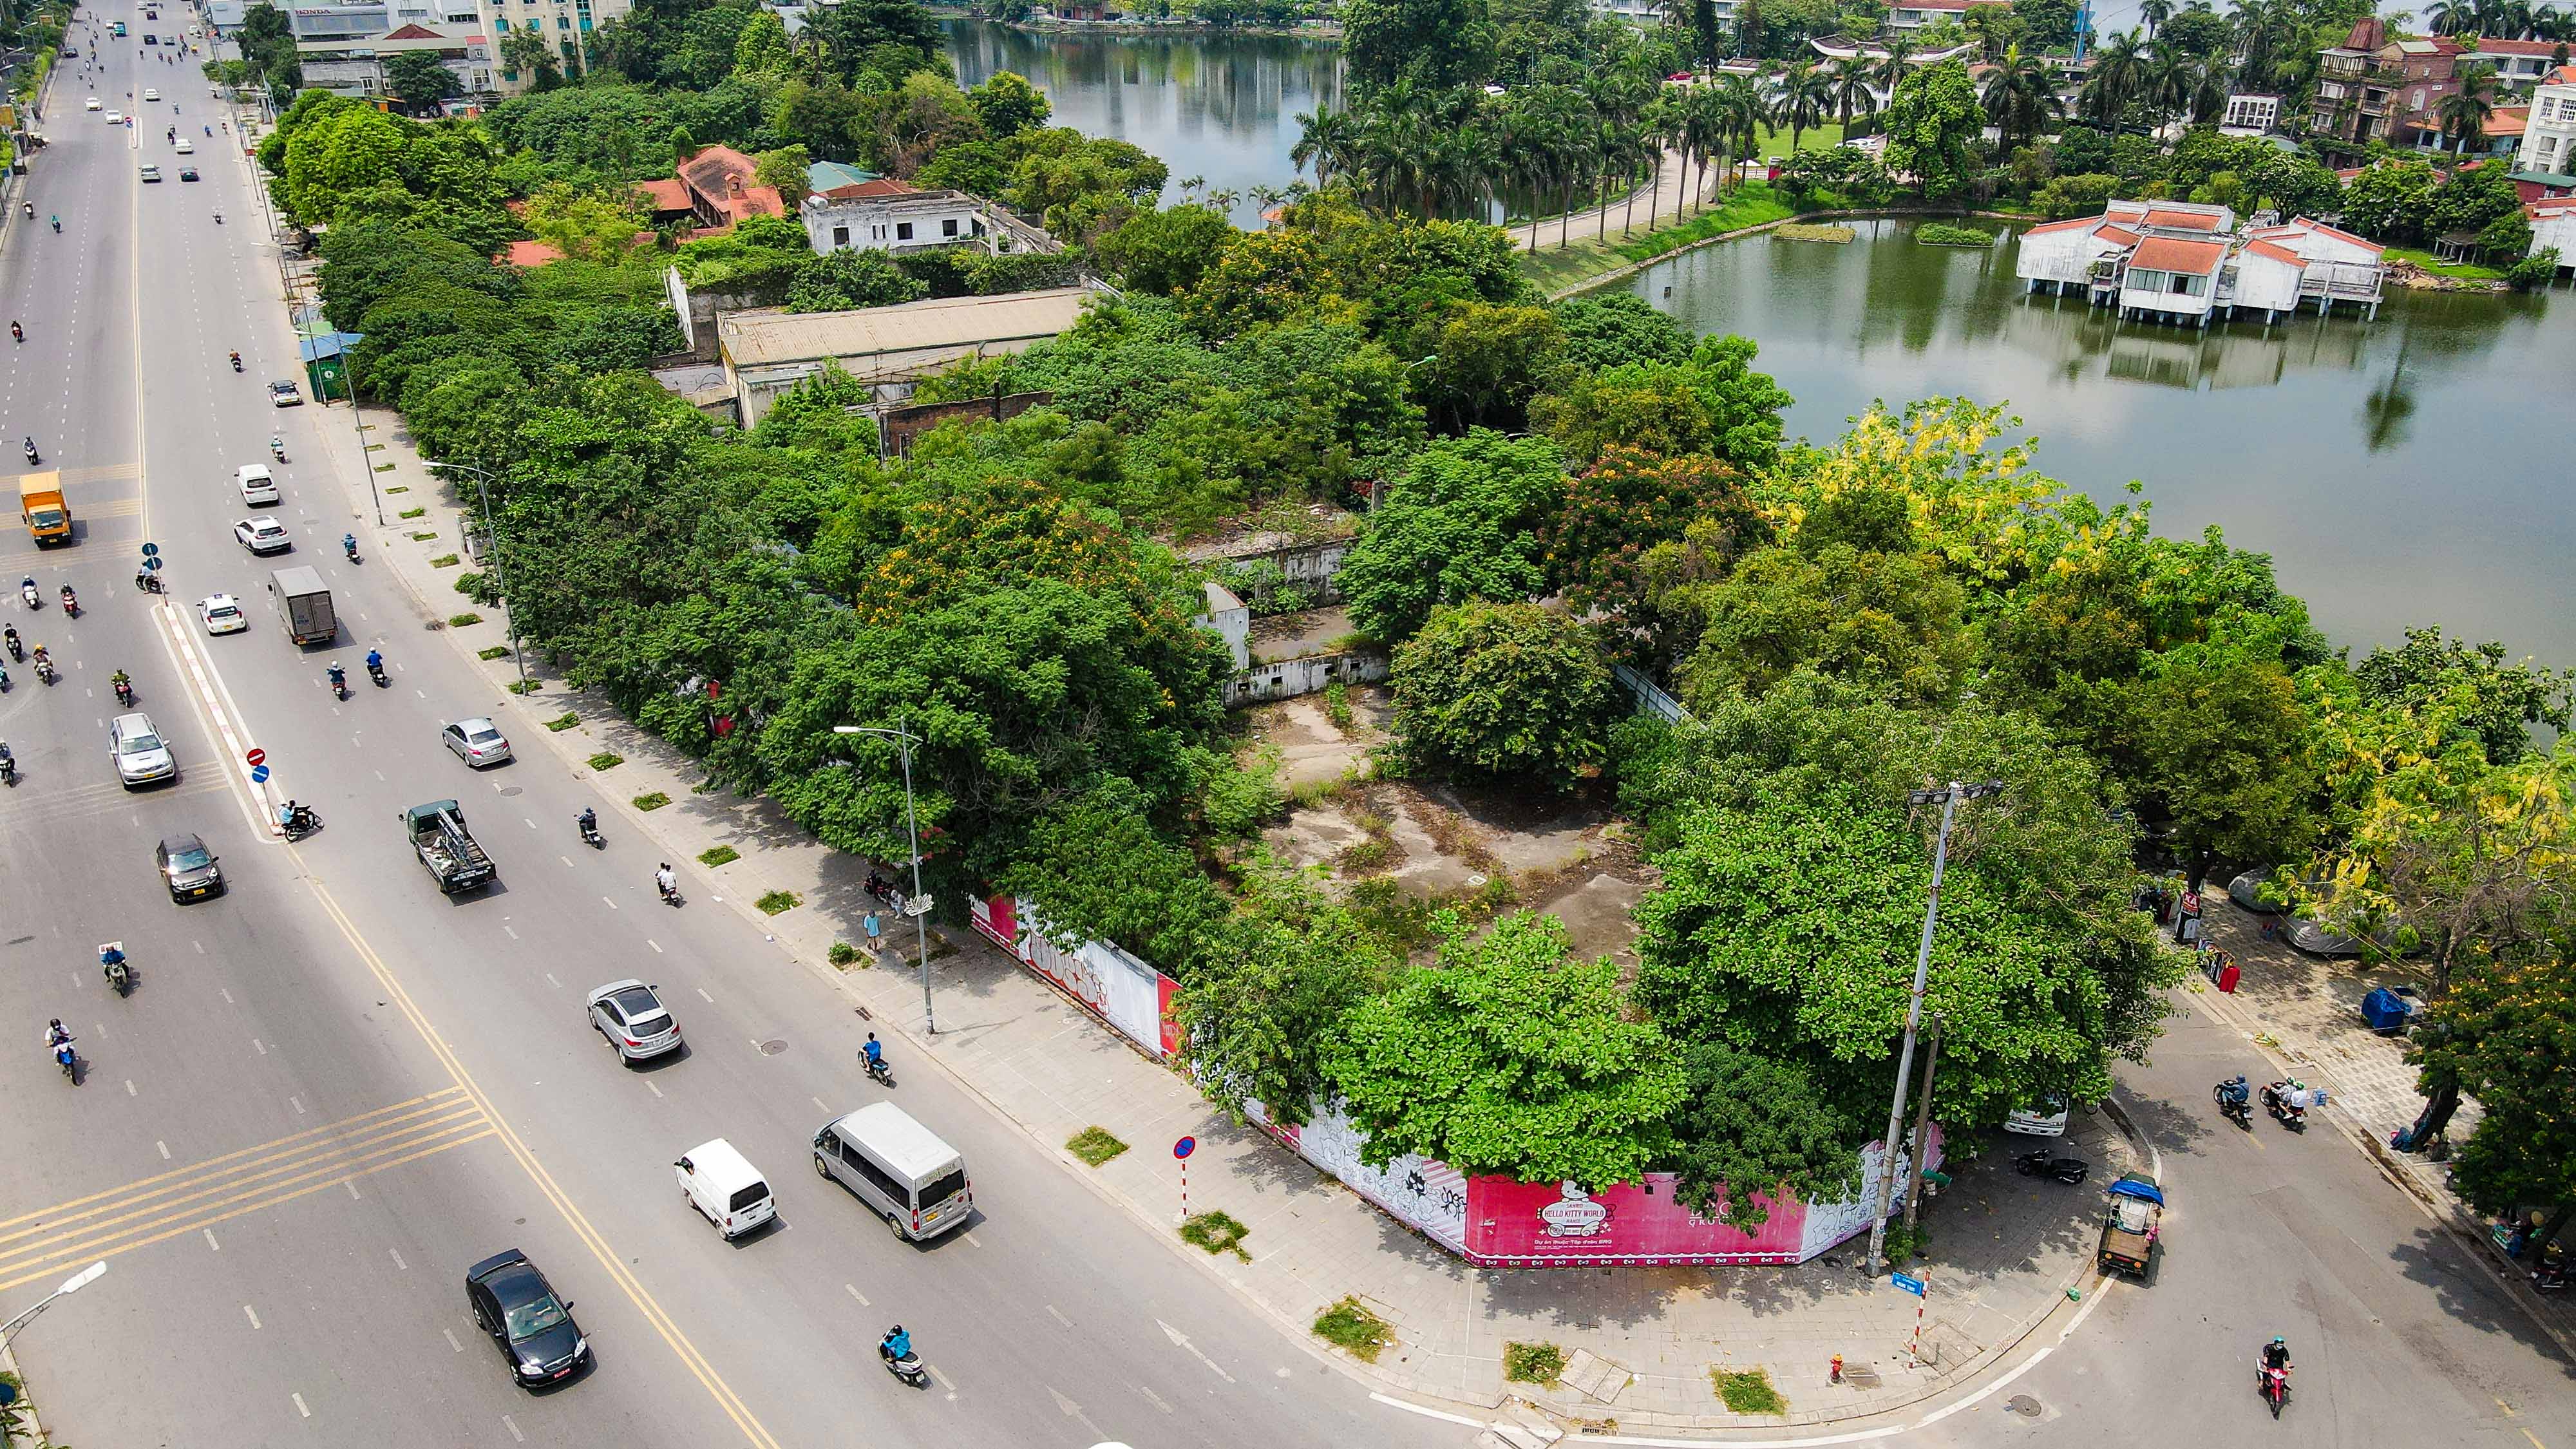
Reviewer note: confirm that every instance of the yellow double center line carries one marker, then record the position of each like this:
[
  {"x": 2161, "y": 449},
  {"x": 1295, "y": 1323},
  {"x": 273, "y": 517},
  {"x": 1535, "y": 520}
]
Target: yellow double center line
[
  {"x": 607, "y": 1258},
  {"x": 41, "y": 1244}
]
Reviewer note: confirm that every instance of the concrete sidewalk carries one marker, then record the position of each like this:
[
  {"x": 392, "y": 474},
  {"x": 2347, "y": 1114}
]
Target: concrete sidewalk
[
  {"x": 2306, "y": 1011},
  {"x": 2006, "y": 1252}
]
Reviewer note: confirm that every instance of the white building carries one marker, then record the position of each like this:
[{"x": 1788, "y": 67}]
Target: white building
[
  {"x": 2180, "y": 261},
  {"x": 1651, "y": 12},
  {"x": 357, "y": 67},
  {"x": 1905, "y": 17},
  {"x": 566, "y": 25},
  {"x": 768, "y": 350},
  {"x": 2250, "y": 115},
  {"x": 885, "y": 215},
  {"x": 2549, "y": 132},
  {"x": 2553, "y": 224}
]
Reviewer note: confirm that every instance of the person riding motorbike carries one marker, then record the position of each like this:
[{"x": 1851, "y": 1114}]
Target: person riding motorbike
[
  {"x": 71, "y": 601},
  {"x": 339, "y": 678},
  {"x": 18, "y": 332},
  {"x": 666, "y": 881},
  {"x": 375, "y": 661},
  {"x": 8, "y": 761},
  {"x": 277, "y": 447},
  {"x": 349, "y": 546},
  {"x": 17, "y": 650},
  {"x": 2276, "y": 1354},
  {"x": 123, "y": 686},
  {"x": 111, "y": 963},
  {"x": 897, "y": 1344},
  {"x": 587, "y": 822},
  {"x": 874, "y": 1051},
  {"x": 31, "y": 449},
  {"x": 219, "y": 218},
  {"x": 57, "y": 221},
  {"x": 236, "y": 360},
  {"x": 27, "y": 591},
  {"x": 56, "y": 1034},
  {"x": 2234, "y": 1097}
]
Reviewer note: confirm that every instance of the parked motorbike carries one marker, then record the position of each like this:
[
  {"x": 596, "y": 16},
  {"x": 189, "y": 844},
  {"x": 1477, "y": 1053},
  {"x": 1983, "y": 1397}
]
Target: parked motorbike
[{"x": 2043, "y": 1163}]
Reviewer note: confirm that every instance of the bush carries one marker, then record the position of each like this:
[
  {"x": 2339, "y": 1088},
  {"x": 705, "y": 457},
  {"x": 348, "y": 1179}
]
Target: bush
[
  {"x": 1094, "y": 1145},
  {"x": 654, "y": 801},
  {"x": 423, "y": 536},
  {"x": 1502, "y": 693},
  {"x": 1533, "y": 1363},
  {"x": 1217, "y": 1233},
  {"x": 717, "y": 855},
  {"x": 2534, "y": 271},
  {"x": 415, "y": 513},
  {"x": 1748, "y": 1392},
  {"x": 779, "y": 902},
  {"x": 1360, "y": 1333},
  {"x": 2080, "y": 195},
  {"x": 444, "y": 561},
  {"x": 1337, "y": 705},
  {"x": 497, "y": 651},
  {"x": 523, "y": 686},
  {"x": 842, "y": 954},
  {"x": 606, "y": 761},
  {"x": 563, "y": 722},
  {"x": 1940, "y": 234}
]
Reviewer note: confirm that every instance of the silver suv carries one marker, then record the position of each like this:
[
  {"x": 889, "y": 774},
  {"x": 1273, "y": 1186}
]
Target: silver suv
[{"x": 137, "y": 748}]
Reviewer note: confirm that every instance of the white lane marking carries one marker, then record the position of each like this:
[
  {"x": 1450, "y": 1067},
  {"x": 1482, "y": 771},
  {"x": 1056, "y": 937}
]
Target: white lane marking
[
  {"x": 612, "y": 905},
  {"x": 524, "y": 820},
  {"x": 129, "y": 1088},
  {"x": 352, "y": 1186},
  {"x": 945, "y": 1381},
  {"x": 227, "y": 996},
  {"x": 1058, "y": 1315},
  {"x": 513, "y": 1428},
  {"x": 970, "y": 1241},
  {"x": 211, "y": 1245},
  {"x": 1181, "y": 1340},
  {"x": 855, "y": 1293},
  {"x": 298, "y": 1104},
  {"x": 702, "y": 996},
  {"x": 299, "y": 1405},
  {"x": 450, "y": 1335},
  {"x": 254, "y": 1317},
  {"x": 1447, "y": 1417},
  {"x": 1153, "y": 1398},
  {"x": 551, "y": 981},
  {"x": 165, "y": 1150},
  {"x": 513, "y": 934},
  {"x": 648, "y": 1086},
  {"x": 656, "y": 945},
  {"x": 200, "y": 945},
  {"x": 819, "y": 1104},
  {"x": 255, "y": 1046},
  {"x": 398, "y": 1259}
]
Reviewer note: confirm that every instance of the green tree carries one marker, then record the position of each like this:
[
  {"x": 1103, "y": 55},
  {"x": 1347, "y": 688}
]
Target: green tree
[
  {"x": 1263, "y": 1012},
  {"x": 1931, "y": 124},
  {"x": 1605, "y": 329},
  {"x": 2221, "y": 740},
  {"x": 591, "y": 225},
  {"x": 2505, "y": 1037},
  {"x": 526, "y": 50},
  {"x": 1166, "y": 252},
  {"x": 1885, "y": 618},
  {"x": 1714, "y": 403},
  {"x": 1628, "y": 505},
  {"x": 1749, "y": 1124},
  {"x": 1098, "y": 869},
  {"x": 1007, "y": 105},
  {"x": 1502, "y": 694},
  {"x": 1508, "y": 1057},
  {"x": 1458, "y": 524},
  {"x": 2390, "y": 201},
  {"x": 1439, "y": 43},
  {"x": 1488, "y": 363},
  {"x": 2482, "y": 697},
  {"x": 842, "y": 281},
  {"x": 762, "y": 51},
  {"x": 420, "y": 80},
  {"x": 785, "y": 169}
]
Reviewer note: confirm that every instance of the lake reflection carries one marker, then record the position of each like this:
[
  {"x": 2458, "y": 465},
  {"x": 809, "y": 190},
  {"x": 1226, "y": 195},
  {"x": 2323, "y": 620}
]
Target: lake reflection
[
  {"x": 2403, "y": 471},
  {"x": 1221, "y": 107}
]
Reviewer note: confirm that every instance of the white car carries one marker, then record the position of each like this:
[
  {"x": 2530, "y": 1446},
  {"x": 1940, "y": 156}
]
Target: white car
[
  {"x": 91, "y": 104},
  {"x": 136, "y": 748},
  {"x": 222, "y": 614},
  {"x": 150, "y": 94},
  {"x": 115, "y": 119},
  {"x": 263, "y": 535},
  {"x": 477, "y": 741},
  {"x": 185, "y": 147}
]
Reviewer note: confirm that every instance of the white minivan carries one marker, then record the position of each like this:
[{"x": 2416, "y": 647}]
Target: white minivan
[
  {"x": 728, "y": 1189},
  {"x": 914, "y": 1181},
  {"x": 255, "y": 483}
]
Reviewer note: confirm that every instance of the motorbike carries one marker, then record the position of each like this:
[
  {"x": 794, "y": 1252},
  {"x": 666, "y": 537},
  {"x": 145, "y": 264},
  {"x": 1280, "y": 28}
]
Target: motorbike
[
  {"x": 590, "y": 835},
  {"x": 33, "y": 458},
  {"x": 340, "y": 683},
  {"x": 277, "y": 448},
  {"x": 58, "y": 226},
  {"x": 2547, "y": 1278},
  {"x": 147, "y": 581},
  {"x": 125, "y": 693},
  {"x": 27, "y": 591},
  {"x": 879, "y": 1072},
  {"x": 45, "y": 672},
  {"x": 17, "y": 651},
  {"x": 670, "y": 890},
  {"x": 349, "y": 546},
  {"x": 2040, "y": 1162},
  {"x": 9, "y": 771},
  {"x": 376, "y": 673},
  {"x": 300, "y": 821},
  {"x": 236, "y": 362},
  {"x": 4, "y": 681},
  {"x": 2276, "y": 1101},
  {"x": 907, "y": 1368},
  {"x": 2276, "y": 1386},
  {"x": 71, "y": 603},
  {"x": 68, "y": 1060},
  {"x": 2234, "y": 1111},
  {"x": 119, "y": 974}
]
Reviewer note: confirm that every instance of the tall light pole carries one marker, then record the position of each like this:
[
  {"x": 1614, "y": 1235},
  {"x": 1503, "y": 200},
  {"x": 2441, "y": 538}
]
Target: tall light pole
[
  {"x": 509, "y": 608},
  {"x": 1948, "y": 798},
  {"x": 71, "y": 1285},
  {"x": 915, "y": 905}
]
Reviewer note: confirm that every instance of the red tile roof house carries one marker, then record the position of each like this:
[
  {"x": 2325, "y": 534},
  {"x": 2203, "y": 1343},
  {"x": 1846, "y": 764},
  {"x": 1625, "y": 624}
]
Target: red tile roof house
[{"x": 721, "y": 192}]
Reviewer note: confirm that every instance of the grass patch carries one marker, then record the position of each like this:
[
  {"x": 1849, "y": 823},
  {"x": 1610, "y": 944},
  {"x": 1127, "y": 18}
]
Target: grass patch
[
  {"x": 717, "y": 855},
  {"x": 1942, "y": 234},
  {"x": 563, "y": 722},
  {"x": 1774, "y": 140},
  {"x": 414, "y": 513},
  {"x": 842, "y": 954},
  {"x": 779, "y": 902},
  {"x": 423, "y": 536},
  {"x": 606, "y": 760},
  {"x": 2460, "y": 270},
  {"x": 523, "y": 686},
  {"x": 459, "y": 621},
  {"x": 397, "y": 488},
  {"x": 467, "y": 583},
  {"x": 1337, "y": 705},
  {"x": 384, "y": 467},
  {"x": 444, "y": 561},
  {"x": 1748, "y": 1391},
  {"x": 1356, "y": 1331},
  {"x": 1533, "y": 1363},
  {"x": 1838, "y": 235},
  {"x": 1094, "y": 1145},
  {"x": 654, "y": 801},
  {"x": 1217, "y": 1233},
  {"x": 497, "y": 651}
]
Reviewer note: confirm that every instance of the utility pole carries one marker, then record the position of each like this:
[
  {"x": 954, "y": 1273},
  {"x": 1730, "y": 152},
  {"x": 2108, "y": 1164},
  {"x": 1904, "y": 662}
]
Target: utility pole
[
  {"x": 1922, "y": 1131},
  {"x": 491, "y": 531},
  {"x": 1948, "y": 799},
  {"x": 915, "y": 905}
]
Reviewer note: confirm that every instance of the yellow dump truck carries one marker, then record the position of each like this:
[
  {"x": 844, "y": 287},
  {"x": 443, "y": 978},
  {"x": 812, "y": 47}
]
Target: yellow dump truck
[{"x": 41, "y": 506}]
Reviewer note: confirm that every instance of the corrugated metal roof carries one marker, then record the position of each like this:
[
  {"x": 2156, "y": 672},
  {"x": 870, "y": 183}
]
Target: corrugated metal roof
[{"x": 767, "y": 338}]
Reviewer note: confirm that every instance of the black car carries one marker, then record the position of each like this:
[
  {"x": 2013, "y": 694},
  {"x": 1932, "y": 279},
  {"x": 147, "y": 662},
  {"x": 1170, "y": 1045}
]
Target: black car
[
  {"x": 187, "y": 868},
  {"x": 187, "y": 173},
  {"x": 514, "y": 1303}
]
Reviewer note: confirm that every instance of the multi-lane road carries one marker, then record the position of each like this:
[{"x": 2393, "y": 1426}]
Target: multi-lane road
[{"x": 333, "y": 1089}]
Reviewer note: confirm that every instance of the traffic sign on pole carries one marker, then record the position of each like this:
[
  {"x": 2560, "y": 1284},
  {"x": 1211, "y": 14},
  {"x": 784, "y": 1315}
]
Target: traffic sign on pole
[
  {"x": 1910, "y": 1285},
  {"x": 151, "y": 550},
  {"x": 152, "y": 561},
  {"x": 256, "y": 756},
  {"x": 259, "y": 774}
]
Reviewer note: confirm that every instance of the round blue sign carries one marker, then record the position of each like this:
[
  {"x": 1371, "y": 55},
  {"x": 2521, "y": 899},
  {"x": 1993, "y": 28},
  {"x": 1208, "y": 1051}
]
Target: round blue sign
[
  {"x": 152, "y": 561},
  {"x": 1183, "y": 1148},
  {"x": 150, "y": 549},
  {"x": 259, "y": 774}
]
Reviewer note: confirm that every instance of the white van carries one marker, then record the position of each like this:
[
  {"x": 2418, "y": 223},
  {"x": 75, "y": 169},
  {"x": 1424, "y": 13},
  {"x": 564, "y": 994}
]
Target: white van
[
  {"x": 255, "y": 483},
  {"x": 916, "y": 1182},
  {"x": 2048, "y": 1119},
  {"x": 728, "y": 1189}
]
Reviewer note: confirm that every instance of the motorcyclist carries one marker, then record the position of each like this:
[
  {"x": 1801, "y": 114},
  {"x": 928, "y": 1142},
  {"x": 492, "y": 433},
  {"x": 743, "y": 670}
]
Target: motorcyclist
[
  {"x": 8, "y": 761},
  {"x": 10, "y": 633},
  {"x": 375, "y": 661},
  {"x": 349, "y": 544},
  {"x": 122, "y": 683},
  {"x": 219, "y": 218},
  {"x": 2235, "y": 1093},
  {"x": 236, "y": 361},
  {"x": 56, "y": 1034},
  {"x": 16, "y": 331},
  {"x": 897, "y": 1344},
  {"x": 110, "y": 957},
  {"x": 588, "y": 821},
  {"x": 339, "y": 677},
  {"x": 56, "y": 220},
  {"x": 665, "y": 881},
  {"x": 71, "y": 601},
  {"x": 874, "y": 1051},
  {"x": 2276, "y": 1354},
  {"x": 27, "y": 591},
  {"x": 31, "y": 447}
]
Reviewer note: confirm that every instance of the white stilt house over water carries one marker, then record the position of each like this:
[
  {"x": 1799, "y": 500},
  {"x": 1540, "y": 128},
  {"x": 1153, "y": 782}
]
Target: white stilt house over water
[{"x": 2185, "y": 262}]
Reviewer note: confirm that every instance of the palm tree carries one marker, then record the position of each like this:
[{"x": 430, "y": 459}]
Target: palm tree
[
  {"x": 1740, "y": 116},
  {"x": 2119, "y": 73},
  {"x": 1699, "y": 135},
  {"x": 1805, "y": 98},
  {"x": 1853, "y": 89},
  {"x": 2019, "y": 98},
  {"x": 2450, "y": 17},
  {"x": 1892, "y": 67},
  {"x": 2465, "y": 112},
  {"x": 2210, "y": 88},
  {"x": 2155, "y": 13},
  {"x": 2169, "y": 73},
  {"x": 1327, "y": 141},
  {"x": 1520, "y": 156},
  {"x": 1658, "y": 132}
]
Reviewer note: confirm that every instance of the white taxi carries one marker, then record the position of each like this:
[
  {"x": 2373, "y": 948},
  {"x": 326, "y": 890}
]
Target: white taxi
[{"x": 222, "y": 614}]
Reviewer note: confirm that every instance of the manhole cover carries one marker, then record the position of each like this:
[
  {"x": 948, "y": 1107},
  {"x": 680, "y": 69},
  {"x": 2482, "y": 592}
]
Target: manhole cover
[
  {"x": 509, "y": 790},
  {"x": 772, "y": 1047},
  {"x": 2024, "y": 1405}
]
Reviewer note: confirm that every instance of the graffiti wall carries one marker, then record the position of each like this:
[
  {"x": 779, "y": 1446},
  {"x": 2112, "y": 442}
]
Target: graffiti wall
[{"x": 1118, "y": 988}]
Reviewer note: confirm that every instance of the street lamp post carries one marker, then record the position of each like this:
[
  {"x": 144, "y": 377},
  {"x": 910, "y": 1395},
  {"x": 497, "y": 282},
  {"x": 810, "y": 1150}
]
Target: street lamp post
[
  {"x": 71, "y": 1285},
  {"x": 509, "y": 600},
  {"x": 1948, "y": 798},
  {"x": 916, "y": 904}
]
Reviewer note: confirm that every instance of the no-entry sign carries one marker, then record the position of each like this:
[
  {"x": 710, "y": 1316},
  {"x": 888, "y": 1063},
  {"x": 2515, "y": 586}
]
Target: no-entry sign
[{"x": 255, "y": 756}]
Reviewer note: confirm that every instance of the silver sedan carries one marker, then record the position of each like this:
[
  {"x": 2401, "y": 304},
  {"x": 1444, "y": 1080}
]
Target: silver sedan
[{"x": 634, "y": 1020}]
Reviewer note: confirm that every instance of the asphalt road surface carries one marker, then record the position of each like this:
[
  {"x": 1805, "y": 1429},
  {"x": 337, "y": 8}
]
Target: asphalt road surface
[{"x": 333, "y": 1089}]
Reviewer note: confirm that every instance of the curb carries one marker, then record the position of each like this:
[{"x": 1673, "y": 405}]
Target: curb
[{"x": 1740, "y": 233}]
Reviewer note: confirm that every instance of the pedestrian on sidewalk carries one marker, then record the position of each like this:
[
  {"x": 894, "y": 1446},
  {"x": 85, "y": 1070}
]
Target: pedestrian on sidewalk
[
  {"x": 2187, "y": 924},
  {"x": 875, "y": 928}
]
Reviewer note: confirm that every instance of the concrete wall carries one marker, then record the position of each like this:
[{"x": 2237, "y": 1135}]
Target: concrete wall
[
  {"x": 900, "y": 427},
  {"x": 1309, "y": 675}
]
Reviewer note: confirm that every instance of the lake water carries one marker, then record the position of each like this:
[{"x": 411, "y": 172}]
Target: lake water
[
  {"x": 1221, "y": 107},
  {"x": 2410, "y": 470}
]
